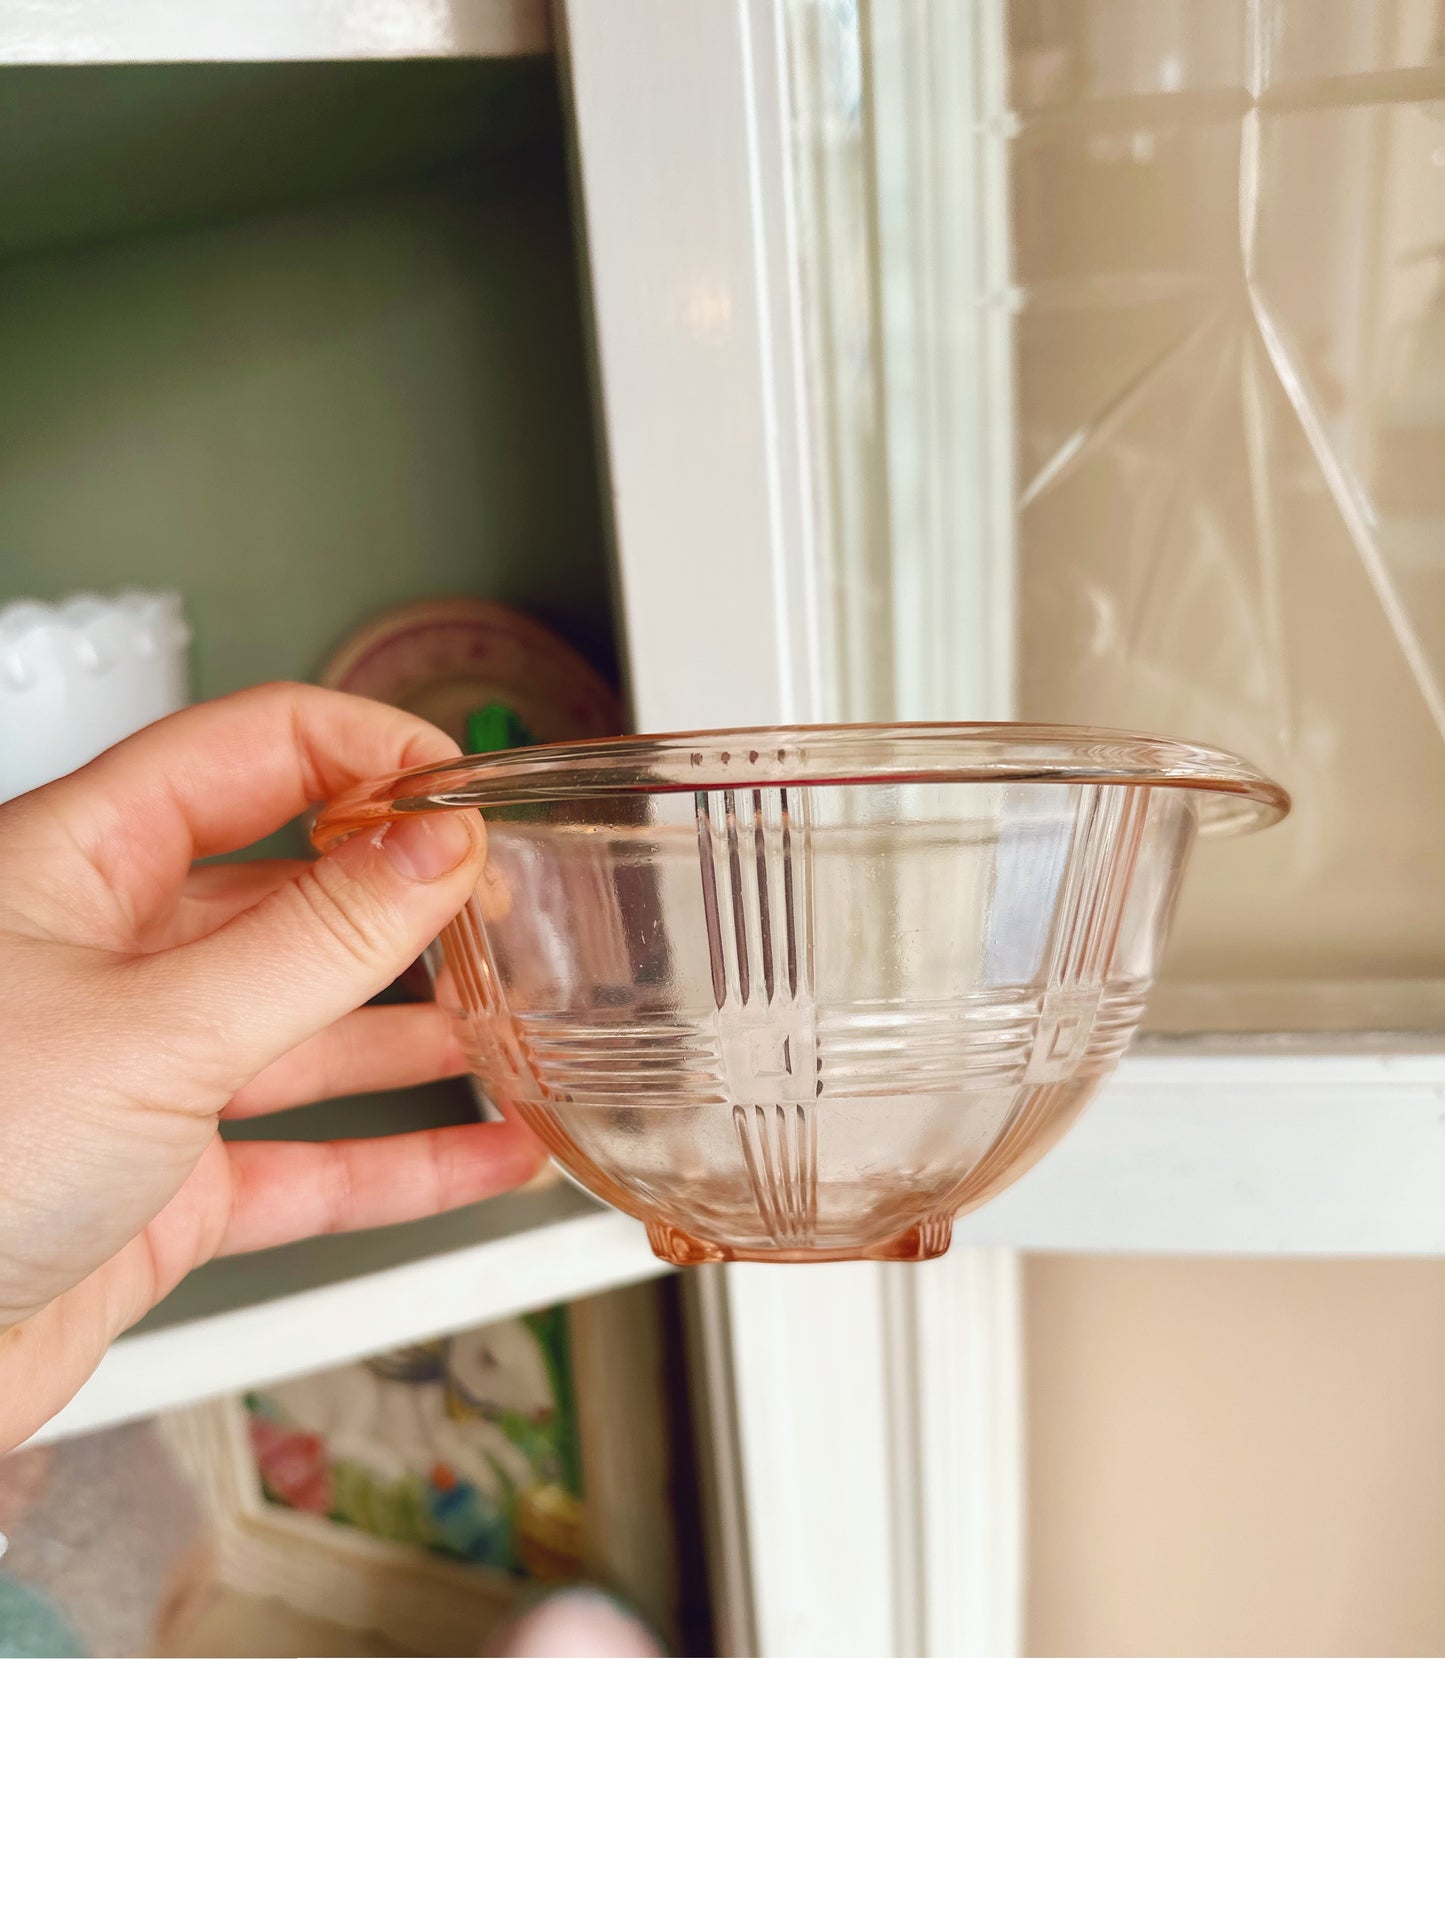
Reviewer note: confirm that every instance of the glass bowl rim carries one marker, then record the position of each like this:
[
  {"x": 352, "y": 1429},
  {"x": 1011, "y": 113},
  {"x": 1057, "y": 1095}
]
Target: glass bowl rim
[{"x": 1233, "y": 796}]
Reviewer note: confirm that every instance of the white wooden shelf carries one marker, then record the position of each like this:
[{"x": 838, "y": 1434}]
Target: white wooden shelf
[
  {"x": 1275, "y": 1147},
  {"x": 1305, "y": 1146},
  {"x": 106, "y": 32},
  {"x": 252, "y": 1320}
]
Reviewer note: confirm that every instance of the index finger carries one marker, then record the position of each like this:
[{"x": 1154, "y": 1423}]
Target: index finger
[{"x": 219, "y": 775}]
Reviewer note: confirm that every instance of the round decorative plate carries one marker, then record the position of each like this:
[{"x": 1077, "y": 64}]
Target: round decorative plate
[
  {"x": 465, "y": 664},
  {"x": 451, "y": 661}
]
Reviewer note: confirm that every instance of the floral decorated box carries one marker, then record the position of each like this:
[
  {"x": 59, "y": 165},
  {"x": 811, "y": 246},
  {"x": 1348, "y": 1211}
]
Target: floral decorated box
[
  {"x": 426, "y": 1495},
  {"x": 465, "y": 1447}
]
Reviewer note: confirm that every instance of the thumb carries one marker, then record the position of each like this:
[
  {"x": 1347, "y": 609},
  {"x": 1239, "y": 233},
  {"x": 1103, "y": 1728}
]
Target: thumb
[{"x": 325, "y": 940}]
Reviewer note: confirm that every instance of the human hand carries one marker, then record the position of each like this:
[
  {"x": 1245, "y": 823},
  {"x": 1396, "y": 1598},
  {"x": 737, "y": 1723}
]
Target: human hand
[{"x": 143, "y": 999}]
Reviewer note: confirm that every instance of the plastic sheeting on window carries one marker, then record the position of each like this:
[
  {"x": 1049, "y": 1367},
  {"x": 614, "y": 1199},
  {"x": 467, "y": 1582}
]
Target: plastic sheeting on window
[{"x": 1193, "y": 255}]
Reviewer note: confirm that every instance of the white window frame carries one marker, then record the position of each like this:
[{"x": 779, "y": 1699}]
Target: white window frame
[{"x": 867, "y": 1420}]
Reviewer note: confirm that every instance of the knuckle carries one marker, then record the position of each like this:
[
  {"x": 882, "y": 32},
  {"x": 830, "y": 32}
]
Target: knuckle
[
  {"x": 338, "y": 1190},
  {"x": 355, "y": 918},
  {"x": 342, "y": 1063}
]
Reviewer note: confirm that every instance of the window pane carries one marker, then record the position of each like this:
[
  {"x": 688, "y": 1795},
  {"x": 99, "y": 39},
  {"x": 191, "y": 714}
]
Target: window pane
[
  {"x": 1231, "y": 404},
  {"x": 1127, "y": 351}
]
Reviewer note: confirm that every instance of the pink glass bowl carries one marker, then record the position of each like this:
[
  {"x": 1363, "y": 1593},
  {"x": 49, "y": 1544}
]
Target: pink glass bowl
[{"x": 791, "y": 994}]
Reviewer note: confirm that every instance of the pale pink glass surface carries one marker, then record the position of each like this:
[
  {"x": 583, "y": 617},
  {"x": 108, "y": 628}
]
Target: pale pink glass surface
[{"x": 809, "y": 994}]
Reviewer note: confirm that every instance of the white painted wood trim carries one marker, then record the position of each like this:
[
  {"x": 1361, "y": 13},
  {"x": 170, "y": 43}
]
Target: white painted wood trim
[
  {"x": 681, "y": 147},
  {"x": 880, "y": 1420},
  {"x": 1222, "y": 1148},
  {"x": 935, "y": 77},
  {"x": 815, "y": 1433},
  {"x": 115, "y": 32},
  {"x": 954, "y": 1336},
  {"x": 822, "y": 1393},
  {"x": 331, "y": 1324},
  {"x": 969, "y": 1424}
]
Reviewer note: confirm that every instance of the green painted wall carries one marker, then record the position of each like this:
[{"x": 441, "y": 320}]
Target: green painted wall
[
  {"x": 87, "y": 153},
  {"x": 301, "y": 417}
]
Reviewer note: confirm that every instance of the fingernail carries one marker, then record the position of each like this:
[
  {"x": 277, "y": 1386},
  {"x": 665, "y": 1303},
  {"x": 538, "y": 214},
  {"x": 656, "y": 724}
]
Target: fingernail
[{"x": 423, "y": 848}]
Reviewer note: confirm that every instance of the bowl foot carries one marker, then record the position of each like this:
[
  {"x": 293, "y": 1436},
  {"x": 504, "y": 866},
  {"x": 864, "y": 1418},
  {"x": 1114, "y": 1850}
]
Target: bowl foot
[
  {"x": 929, "y": 1238},
  {"x": 680, "y": 1247}
]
